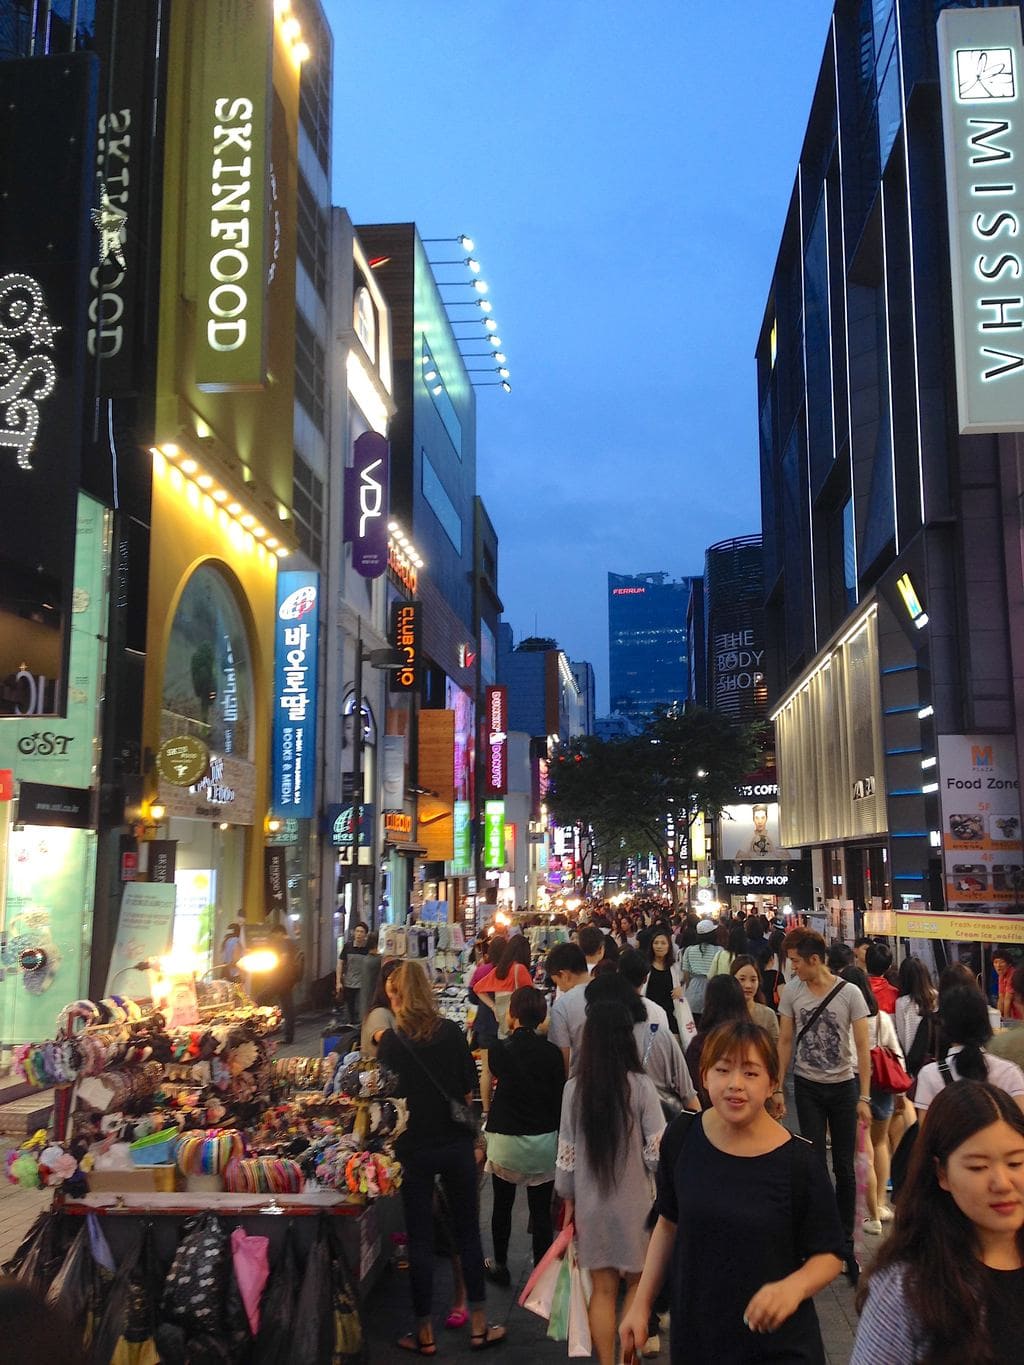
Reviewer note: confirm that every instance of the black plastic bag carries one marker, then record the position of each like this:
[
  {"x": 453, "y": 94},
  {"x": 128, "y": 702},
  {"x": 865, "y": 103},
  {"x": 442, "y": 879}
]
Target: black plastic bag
[
  {"x": 38, "y": 1258},
  {"x": 84, "y": 1280},
  {"x": 128, "y": 1326},
  {"x": 313, "y": 1326},
  {"x": 193, "y": 1296},
  {"x": 277, "y": 1311}
]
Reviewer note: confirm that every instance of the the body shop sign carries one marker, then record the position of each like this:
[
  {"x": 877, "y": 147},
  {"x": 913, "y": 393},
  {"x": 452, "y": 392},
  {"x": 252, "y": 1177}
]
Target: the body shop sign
[
  {"x": 981, "y": 70},
  {"x": 233, "y": 106},
  {"x": 494, "y": 834},
  {"x": 496, "y": 746},
  {"x": 366, "y": 505},
  {"x": 295, "y": 655}
]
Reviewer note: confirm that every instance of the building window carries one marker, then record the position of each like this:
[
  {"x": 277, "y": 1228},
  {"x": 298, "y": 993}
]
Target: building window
[
  {"x": 438, "y": 391},
  {"x": 309, "y": 372},
  {"x": 313, "y": 237},
  {"x": 308, "y": 508},
  {"x": 315, "y": 86},
  {"x": 441, "y": 504}
]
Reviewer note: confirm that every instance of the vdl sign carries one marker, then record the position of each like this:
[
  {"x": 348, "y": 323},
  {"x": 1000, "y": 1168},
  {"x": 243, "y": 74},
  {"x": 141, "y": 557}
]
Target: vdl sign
[
  {"x": 366, "y": 505},
  {"x": 981, "y": 70}
]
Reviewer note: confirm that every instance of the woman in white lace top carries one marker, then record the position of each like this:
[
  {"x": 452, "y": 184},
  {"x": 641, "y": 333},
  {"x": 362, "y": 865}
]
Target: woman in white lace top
[{"x": 607, "y": 1150}]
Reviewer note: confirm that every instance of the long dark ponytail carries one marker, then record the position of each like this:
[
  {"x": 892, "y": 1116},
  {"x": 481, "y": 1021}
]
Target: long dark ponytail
[
  {"x": 963, "y": 1014},
  {"x": 607, "y": 1055}
]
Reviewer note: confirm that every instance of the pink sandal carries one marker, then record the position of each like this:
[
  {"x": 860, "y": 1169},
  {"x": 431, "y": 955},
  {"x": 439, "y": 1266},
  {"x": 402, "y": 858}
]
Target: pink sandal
[{"x": 458, "y": 1317}]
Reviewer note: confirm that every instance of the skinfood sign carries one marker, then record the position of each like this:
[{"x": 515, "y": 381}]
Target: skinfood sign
[
  {"x": 231, "y": 274},
  {"x": 981, "y": 69}
]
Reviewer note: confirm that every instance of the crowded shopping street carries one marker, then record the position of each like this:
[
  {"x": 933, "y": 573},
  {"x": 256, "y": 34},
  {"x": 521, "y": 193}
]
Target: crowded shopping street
[{"x": 511, "y": 682}]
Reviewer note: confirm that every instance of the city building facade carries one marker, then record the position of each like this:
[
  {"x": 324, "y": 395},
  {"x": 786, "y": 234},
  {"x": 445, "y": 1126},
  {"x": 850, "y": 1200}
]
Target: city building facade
[{"x": 648, "y": 659}]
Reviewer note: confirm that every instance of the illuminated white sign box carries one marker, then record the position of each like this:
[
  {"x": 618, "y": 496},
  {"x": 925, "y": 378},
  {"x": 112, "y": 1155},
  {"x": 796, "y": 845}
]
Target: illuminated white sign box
[{"x": 981, "y": 65}]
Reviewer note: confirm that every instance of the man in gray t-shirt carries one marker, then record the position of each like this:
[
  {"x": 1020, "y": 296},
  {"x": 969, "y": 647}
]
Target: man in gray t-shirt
[{"x": 820, "y": 1015}]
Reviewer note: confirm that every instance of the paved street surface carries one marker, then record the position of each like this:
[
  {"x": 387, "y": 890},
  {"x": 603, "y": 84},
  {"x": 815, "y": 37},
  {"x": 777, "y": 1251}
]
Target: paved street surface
[{"x": 387, "y": 1312}]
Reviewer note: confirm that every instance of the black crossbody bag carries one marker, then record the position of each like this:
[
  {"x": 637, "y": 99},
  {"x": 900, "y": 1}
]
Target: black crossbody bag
[{"x": 462, "y": 1115}]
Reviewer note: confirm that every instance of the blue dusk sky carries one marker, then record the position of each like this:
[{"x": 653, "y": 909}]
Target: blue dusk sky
[{"x": 624, "y": 170}]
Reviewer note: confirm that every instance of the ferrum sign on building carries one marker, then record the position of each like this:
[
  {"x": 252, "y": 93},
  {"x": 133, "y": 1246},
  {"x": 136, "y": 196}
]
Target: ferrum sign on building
[{"x": 981, "y": 72}]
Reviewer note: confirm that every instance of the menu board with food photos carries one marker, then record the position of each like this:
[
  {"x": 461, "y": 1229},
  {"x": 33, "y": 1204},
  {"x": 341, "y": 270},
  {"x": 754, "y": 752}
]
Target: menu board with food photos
[{"x": 981, "y": 824}]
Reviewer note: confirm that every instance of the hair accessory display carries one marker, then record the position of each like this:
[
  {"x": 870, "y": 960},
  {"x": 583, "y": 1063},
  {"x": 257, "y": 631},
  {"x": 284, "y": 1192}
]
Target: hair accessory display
[
  {"x": 209, "y": 1152},
  {"x": 263, "y": 1175}
]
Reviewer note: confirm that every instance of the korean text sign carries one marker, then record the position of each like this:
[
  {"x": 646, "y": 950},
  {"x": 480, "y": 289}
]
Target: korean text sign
[{"x": 295, "y": 662}]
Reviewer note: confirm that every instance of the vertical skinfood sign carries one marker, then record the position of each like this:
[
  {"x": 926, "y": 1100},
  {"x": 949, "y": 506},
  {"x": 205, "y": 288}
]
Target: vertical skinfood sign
[
  {"x": 295, "y": 655},
  {"x": 232, "y": 155},
  {"x": 981, "y": 823},
  {"x": 981, "y": 69}
]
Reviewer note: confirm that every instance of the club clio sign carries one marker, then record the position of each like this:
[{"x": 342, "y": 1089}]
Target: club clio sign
[
  {"x": 366, "y": 505},
  {"x": 981, "y": 70},
  {"x": 295, "y": 661},
  {"x": 405, "y": 637},
  {"x": 234, "y": 107},
  {"x": 496, "y": 742}
]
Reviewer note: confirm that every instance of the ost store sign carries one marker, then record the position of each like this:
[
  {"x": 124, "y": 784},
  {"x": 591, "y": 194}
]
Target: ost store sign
[{"x": 295, "y": 663}]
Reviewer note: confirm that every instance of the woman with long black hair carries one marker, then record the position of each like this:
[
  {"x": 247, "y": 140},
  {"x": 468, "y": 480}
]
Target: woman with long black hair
[
  {"x": 607, "y": 1150},
  {"x": 965, "y": 1027},
  {"x": 947, "y": 1286}
]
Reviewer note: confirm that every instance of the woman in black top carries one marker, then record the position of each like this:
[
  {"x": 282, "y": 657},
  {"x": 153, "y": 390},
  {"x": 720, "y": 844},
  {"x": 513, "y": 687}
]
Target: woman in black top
[
  {"x": 746, "y": 1216},
  {"x": 434, "y": 1066},
  {"x": 522, "y": 1127},
  {"x": 664, "y": 983}
]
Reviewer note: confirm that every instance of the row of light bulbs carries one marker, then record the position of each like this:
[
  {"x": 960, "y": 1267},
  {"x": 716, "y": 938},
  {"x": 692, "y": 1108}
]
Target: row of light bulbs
[
  {"x": 404, "y": 545},
  {"x": 485, "y": 306},
  {"x": 291, "y": 31},
  {"x": 191, "y": 469}
]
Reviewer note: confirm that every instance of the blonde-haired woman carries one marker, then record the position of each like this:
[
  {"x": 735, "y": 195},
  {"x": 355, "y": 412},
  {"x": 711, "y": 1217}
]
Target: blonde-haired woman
[{"x": 434, "y": 1066}]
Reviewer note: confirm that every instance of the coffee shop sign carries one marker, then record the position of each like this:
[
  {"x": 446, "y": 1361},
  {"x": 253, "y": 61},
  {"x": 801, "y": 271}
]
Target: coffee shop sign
[{"x": 212, "y": 788}]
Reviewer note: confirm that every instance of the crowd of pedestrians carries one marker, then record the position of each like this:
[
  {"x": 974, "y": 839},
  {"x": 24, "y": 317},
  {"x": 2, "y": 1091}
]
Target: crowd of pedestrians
[{"x": 633, "y": 1080}]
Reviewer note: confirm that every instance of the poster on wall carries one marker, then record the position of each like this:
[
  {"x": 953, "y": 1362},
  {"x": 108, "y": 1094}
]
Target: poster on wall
[
  {"x": 749, "y": 832},
  {"x": 981, "y": 824},
  {"x": 143, "y": 932}
]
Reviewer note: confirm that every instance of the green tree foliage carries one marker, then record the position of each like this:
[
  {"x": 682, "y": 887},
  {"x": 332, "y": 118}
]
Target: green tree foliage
[
  {"x": 642, "y": 794},
  {"x": 204, "y": 681}
]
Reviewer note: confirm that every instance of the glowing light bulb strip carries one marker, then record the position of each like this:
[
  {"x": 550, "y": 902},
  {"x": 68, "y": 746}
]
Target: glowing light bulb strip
[{"x": 186, "y": 475}]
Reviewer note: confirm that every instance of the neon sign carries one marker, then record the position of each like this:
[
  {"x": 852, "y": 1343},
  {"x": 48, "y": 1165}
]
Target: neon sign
[{"x": 27, "y": 373}]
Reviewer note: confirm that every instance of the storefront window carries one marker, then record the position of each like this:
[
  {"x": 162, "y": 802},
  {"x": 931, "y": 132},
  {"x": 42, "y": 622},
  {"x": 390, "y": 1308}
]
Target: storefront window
[{"x": 208, "y": 675}]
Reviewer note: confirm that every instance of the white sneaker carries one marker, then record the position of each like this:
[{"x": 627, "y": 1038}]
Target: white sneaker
[
  {"x": 885, "y": 1214},
  {"x": 663, "y": 1321},
  {"x": 652, "y": 1347},
  {"x": 873, "y": 1227}
]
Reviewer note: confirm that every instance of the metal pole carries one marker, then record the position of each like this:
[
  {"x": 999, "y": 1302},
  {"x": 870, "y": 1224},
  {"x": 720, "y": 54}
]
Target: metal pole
[{"x": 357, "y": 775}]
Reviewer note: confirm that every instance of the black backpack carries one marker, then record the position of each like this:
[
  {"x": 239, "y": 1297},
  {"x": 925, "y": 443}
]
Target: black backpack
[{"x": 923, "y": 1049}]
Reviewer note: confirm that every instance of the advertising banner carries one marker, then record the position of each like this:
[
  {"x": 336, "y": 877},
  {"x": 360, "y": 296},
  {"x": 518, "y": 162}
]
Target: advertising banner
[
  {"x": 47, "y": 190},
  {"x": 462, "y": 858},
  {"x": 341, "y": 823},
  {"x": 981, "y": 824},
  {"x": 143, "y": 932},
  {"x": 406, "y": 636},
  {"x": 366, "y": 505},
  {"x": 234, "y": 44},
  {"x": 960, "y": 928},
  {"x": 43, "y": 804},
  {"x": 162, "y": 860},
  {"x": 791, "y": 881},
  {"x": 494, "y": 834},
  {"x": 749, "y": 832},
  {"x": 275, "y": 883},
  {"x": 393, "y": 773},
  {"x": 496, "y": 742},
  {"x": 296, "y": 627},
  {"x": 435, "y": 826},
  {"x": 62, "y": 751},
  {"x": 980, "y": 75}
]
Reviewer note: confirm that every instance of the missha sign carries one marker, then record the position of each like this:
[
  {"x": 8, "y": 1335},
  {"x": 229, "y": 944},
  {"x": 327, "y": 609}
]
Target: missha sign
[
  {"x": 234, "y": 104},
  {"x": 981, "y": 69}
]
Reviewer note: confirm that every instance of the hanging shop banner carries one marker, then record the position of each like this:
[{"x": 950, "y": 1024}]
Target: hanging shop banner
[
  {"x": 63, "y": 751},
  {"x": 295, "y": 659},
  {"x": 230, "y": 156},
  {"x": 43, "y": 804},
  {"x": 462, "y": 858},
  {"x": 397, "y": 826},
  {"x": 494, "y": 834},
  {"x": 366, "y": 505},
  {"x": 980, "y": 74},
  {"x": 407, "y": 638},
  {"x": 436, "y": 814},
  {"x": 393, "y": 773},
  {"x": 496, "y": 742},
  {"x": 182, "y": 760},
  {"x": 981, "y": 824},
  {"x": 341, "y": 824},
  {"x": 275, "y": 882},
  {"x": 47, "y": 187},
  {"x": 126, "y": 194},
  {"x": 143, "y": 932},
  {"x": 923, "y": 926},
  {"x": 162, "y": 859}
]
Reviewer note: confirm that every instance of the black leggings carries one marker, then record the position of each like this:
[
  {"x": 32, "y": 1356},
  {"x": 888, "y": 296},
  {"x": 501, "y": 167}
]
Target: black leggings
[{"x": 539, "y": 1199}]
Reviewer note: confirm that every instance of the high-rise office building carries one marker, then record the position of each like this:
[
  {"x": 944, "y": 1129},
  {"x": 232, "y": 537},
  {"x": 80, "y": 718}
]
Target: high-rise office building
[{"x": 648, "y": 659}]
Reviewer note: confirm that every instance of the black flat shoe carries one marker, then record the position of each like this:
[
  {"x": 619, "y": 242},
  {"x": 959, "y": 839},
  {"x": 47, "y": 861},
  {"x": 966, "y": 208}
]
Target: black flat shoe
[{"x": 497, "y": 1274}]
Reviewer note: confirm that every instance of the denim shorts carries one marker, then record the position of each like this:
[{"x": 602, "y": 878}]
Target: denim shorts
[{"x": 883, "y": 1104}]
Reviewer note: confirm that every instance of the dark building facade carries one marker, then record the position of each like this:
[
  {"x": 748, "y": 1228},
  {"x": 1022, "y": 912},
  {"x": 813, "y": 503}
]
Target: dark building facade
[
  {"x": 891, "y": 534},
  {"x": 734, "y": 629},
  {"x": 647, "y": 643}
]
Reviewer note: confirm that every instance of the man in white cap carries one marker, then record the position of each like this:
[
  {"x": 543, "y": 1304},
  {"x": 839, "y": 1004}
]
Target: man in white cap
[{"x": 695, "y": 965}]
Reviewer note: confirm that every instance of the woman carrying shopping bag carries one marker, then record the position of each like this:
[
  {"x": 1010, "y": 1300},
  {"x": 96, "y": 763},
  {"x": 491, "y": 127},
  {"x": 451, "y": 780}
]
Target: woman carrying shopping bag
[{"x": 607, "y": 1148}]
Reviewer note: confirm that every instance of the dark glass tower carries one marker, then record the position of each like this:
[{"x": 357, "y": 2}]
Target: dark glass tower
[{"x": 648, "y": 661}]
